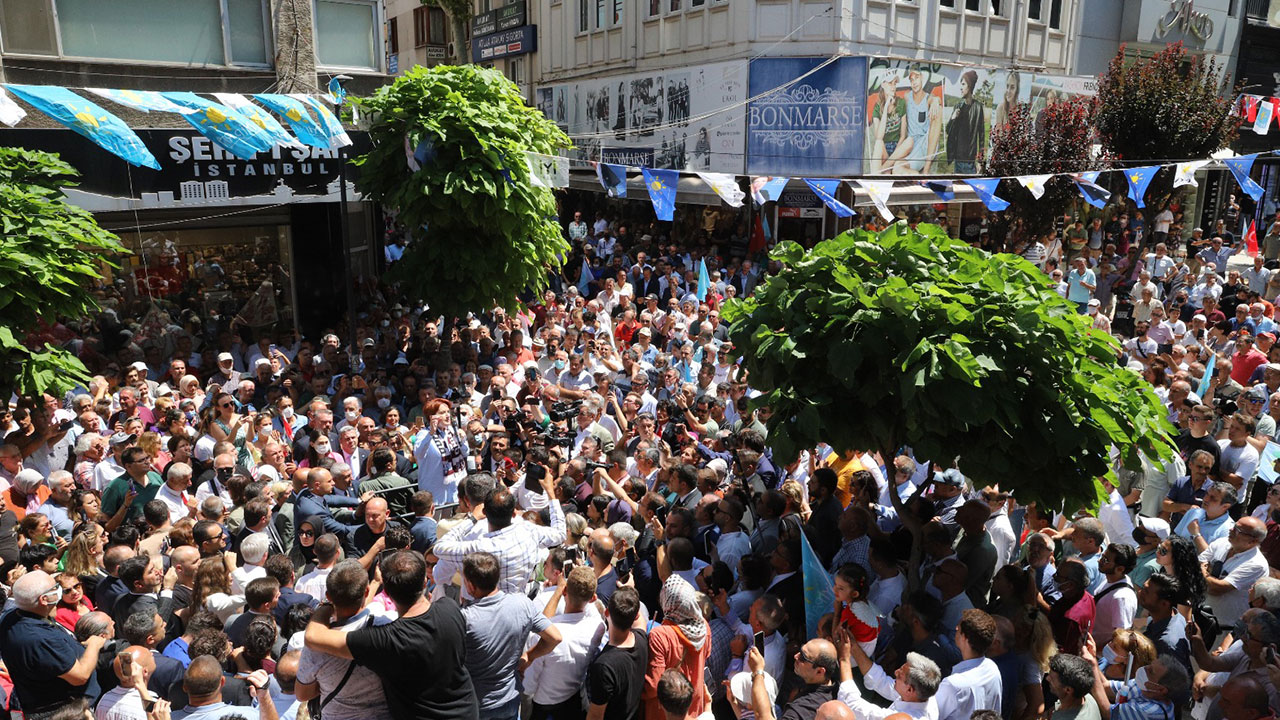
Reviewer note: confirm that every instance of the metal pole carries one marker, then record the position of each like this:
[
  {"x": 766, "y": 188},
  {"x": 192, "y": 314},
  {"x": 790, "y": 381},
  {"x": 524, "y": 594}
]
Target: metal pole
[{"x": 354, "y": 351}]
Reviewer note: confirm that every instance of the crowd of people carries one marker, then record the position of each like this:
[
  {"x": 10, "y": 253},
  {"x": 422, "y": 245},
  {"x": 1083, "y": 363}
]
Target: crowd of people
[{"x": 572, "y": 510}]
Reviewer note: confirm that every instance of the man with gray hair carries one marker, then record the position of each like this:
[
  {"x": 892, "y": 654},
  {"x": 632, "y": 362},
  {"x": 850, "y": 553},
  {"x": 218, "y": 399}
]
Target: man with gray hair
[
  {"x": 55, "y": 507},
  {"x": 588, "y": 425},
  {"x": 1265, "y": 594},
  {"x": 911, "y": 687},
  {"x": 49, "y": 668},
  {"x": 173, "y": 493},
  {"x": 1232, "y": 565}
]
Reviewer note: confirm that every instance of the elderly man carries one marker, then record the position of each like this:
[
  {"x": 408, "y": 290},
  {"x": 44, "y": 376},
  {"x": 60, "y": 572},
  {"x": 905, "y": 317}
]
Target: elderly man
[
  {"x": 56, "y": 506},
  {"x": 173, "y": 493},
  {"x": 1232, "y": 565},
  {"x": 50, "y": 670},
  {"x": 910, "y": 687}
]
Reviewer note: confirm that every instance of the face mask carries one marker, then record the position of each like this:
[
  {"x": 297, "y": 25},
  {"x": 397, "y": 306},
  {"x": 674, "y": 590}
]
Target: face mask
[
  {"x": 384, "y": 403},
  {"x": 386, "y": 323},
  {"x": 191, "y": 415},
  {"x": 322, "y": 448},
  {"x": 287, "y": 413},
  {"x": 53, "y": 596},
  {"x": 353, "y": 415},
  {"x": 1109, "y": 655},
  {"x": 559, "y": 364},
  {"x": 1140, "y": 677}
]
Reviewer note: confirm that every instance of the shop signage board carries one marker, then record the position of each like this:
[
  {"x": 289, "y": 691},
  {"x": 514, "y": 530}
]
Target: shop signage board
[
  {"x": 507, "y": 17},
  {"x": 807, "y": 119},
  {"x": 520, "y": 41}
]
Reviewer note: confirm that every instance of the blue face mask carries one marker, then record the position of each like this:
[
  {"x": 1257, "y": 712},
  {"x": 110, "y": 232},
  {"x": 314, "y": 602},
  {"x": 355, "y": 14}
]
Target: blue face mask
[{"x": 559, "y": 364}]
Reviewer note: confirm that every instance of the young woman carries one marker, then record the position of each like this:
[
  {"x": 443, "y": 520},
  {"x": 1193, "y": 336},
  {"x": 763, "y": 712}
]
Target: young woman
[{"x": 74, "y": 604}]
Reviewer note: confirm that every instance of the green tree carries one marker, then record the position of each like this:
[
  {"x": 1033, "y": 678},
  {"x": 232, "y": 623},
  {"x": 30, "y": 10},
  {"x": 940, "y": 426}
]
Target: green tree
[
  {"x": 460, "y": 13},
  {"x": 911, "y": 338},
  {"x": 49, "y": 258},
  {"x": 1058, "y": 140},
  {"x": 1174, "y": 105},
  {"x": 483, "y": 232}
]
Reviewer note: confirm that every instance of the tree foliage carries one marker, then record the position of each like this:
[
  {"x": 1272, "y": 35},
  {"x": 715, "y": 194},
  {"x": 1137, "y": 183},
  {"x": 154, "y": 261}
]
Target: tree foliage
[
  {"x": 49, "y": 258},
  {"x": 1057, "y": 140},
  {"x": 913, "y": 338},
  {"x": 483, "y": 232}
]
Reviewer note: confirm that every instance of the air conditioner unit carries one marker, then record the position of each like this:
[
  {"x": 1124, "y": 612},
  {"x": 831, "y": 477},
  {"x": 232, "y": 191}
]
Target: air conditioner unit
[{"x": 451, "y": 51}]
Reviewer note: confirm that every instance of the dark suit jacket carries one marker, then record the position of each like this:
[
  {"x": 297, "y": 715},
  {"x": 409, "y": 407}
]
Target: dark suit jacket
[
  {"x": 791, "y": 591},
  {"x": 130, "y": 603},
  {"x": 109, "y": 590},
  {"x": 691, "y": 500},
  {"x": 288, "y": 598}
]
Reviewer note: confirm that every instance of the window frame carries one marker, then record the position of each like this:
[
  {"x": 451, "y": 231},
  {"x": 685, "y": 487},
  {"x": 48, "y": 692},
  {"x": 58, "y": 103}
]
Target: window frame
[
  {"x": 393, "y": 36},
  {"x": 380, "y": 44},
  {"x": 432, "y": 12},
  {"x": 420, "y": 26},
  {"x": 267, "y": 41}
]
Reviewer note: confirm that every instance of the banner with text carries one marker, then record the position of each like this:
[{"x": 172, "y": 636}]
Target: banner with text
[{"x": 811, "y": 124}]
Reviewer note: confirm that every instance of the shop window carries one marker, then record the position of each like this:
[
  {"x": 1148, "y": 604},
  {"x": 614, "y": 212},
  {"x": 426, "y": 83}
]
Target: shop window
[
  {"x": 345, "y": 32},
  {"x": 26, "y": 26}
]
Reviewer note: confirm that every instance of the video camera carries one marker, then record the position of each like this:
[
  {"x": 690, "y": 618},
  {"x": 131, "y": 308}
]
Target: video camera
[{"x": 563, "y": 410}]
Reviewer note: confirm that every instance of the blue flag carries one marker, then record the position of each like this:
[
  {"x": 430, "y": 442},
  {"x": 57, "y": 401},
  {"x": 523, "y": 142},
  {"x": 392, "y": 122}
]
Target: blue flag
[
  {"x": 1094, "y": 194},
  {"x": 585, "y": 276},
  {"x": 300, "y": 119},
  {"x": 826, "y": 192},
  {"x": 1240, "y": 167},
  {"x": 106, "y": 130},
  {"x": 941, "y": 188},
  {"x": 613, "y": 178},
  {"x": 767, "y": 189},
  {"x": 143, "y": 100},
  {"x": 337, "y": 94},
  {"x": 231, "y": 130},
  {"x": 662, "y": 191},
  {"x": 986, "y": 190},
  {"x": 338, "y": 137},
  {"x": 819, "y": 593},
  {"x": 704, "y": 280},
  {"x": 1139, "y": 178},
  {"x": 1208, "y": 375}
]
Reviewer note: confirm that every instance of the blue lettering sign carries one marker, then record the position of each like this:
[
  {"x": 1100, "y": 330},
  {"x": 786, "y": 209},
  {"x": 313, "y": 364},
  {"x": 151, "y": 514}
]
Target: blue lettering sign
[{"x": 811, "y": 125}]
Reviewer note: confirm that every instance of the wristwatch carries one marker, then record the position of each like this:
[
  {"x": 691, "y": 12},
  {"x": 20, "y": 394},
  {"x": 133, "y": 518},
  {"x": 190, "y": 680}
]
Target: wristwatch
[{"x": 755, "y": 673}]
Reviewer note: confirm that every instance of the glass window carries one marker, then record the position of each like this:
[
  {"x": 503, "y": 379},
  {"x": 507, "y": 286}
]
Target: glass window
[
  {"x": 26, "y": 26},
  {"x": 419, "y": 26},
  {"x": 437, "y": 24},
  {"x": 248, "y": 31},
  {"x": 655, "y": 7},
  {"x": 1033, "y": 9},
  {"x": 159, "y": 30},
  {"x": 584, "y": 16},
  {"x": 515, "y": 70},
  {"x": 1055, "y": 14},
  {"x": 973, "y": 5},
  {"x": 601, "y": 19},
  {"x": 393, "y": 36},
  {"x": 345, "y": 34},
  {"x": 617, "y": 12},
  {"x": 675, "y": 5},
  {"x": 947, "y": 3},
  {"x": 697, "y": 3}
]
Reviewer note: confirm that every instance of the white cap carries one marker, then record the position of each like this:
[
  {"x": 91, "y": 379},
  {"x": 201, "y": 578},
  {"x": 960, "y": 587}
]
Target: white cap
[
  {"x": 740, "y": 688},
  {"x": 225, "y": 357},
  {"x": 139, "y": 366}
]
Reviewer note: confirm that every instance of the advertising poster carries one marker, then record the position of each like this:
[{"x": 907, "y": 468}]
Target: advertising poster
[
  {"x": 936, "y": 119},
  {"x": 684, "y": 119},
  {"x": 811, "y": 124}
]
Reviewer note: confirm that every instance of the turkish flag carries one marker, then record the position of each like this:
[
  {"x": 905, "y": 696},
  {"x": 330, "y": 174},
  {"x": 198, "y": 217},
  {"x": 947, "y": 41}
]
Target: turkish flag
[{"x": 1251, "y": 239}]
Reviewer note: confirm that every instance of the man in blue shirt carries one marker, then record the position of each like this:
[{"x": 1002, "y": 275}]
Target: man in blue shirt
[
  {"x": 1216, "y": 254},
  {"x": 1081, "y": 283},
  {"x": 1189, "y": 491},
  {"x": 203, "y": 684},
  {"x": 424, "y": 525}
]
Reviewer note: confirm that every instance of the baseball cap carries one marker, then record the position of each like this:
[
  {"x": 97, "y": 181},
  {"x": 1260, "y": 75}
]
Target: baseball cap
[
  {"x": 122, "y": 438},
  {"x": 1256, "y": 393},
  {"x": 645, "y": 331},
  {"x": 950, "y": 477},
  {"x": 1155, "y": 526},
  {"x": 1093, "y": 306},
  {"x": 1267, "y": 335},
  {"x": 225, "y": 357},
  {"x": 139, "y": 366},
  {"x": 740, "y": 688}
]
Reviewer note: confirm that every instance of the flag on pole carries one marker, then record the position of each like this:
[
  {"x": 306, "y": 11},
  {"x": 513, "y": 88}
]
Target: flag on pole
[
  {"x": 941, "y": 188},
  {"x": 613, "y": 178},
  {"x": 1139, "y": 178},
  {"x": 337, "y": 94},
  {"x": 704, "y": 280},
  {"x": 767, "y": 189},
  {"x": 548, "y": 171},
  {"x": 1208, "y": 375},
  {"x": 88, "y": 119},
  {"x": 1035, "y": 184},
  {"x": 819, "y": 592},
  {"x": 232, "y": 131},
  {"x": 585, "y": 276},
  {"x": 141, "y": 100},
  {"x": 333, "y": 129},
  {"x": 986, "y": 190},
  {"x": 725, "y": 185},
  {"x": 10, "y": 112},
  {"x": 1251, "y": 107},
  {"x": 1251, "y": 239},
  {"x": 826, "y": 192},
  {"x": 662, "y": 191},
  {"x": 1240, "y": 167},
  {"x": 879, "y": 191},
  {"x": 1185, "y": 173},
  {"x": 1262, "y": 125},
  {"x": 1093, "y": 193},
  {"x": 759, "y": 235}
]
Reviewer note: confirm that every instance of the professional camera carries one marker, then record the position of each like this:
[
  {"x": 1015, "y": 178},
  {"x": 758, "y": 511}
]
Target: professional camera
[
  {"x": 1225, "y": 407},
  {"x": 563, "y": 410},
  {"x": 552, "y": 438}
]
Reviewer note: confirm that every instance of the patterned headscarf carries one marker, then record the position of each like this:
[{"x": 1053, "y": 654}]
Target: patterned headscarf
[{"x": 679, "y": 601}]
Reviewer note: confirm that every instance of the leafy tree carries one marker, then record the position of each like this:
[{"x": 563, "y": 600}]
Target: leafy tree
[
  {"x": 1173, "y": 105},
  {"x": 1058, "y": 140},
  {"x": 459, "y": 12},
  {"x": 49, "y": 258},
  {"x": 912, "y": 338},
  {"x": 483, "y": 232}
]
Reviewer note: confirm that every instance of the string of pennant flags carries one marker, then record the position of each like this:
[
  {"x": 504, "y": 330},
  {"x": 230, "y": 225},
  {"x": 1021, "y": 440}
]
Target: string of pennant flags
[{"x": 233, "y": 122}]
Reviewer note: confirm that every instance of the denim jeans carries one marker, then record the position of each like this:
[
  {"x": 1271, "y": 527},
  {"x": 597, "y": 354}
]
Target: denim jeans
[{"x": 506, "y": 711}]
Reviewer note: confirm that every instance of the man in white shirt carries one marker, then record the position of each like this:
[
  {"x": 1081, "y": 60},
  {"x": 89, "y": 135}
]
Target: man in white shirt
[
  {"x": 1232, "y": 565},
  {"x": 1116, "y": 601},
  {"x": 1257, "y": 276},
  {"x": 173, "y": 493},
  {"x": 555, "y": 678},
  {"x": 328, "y": 550},
  {"x": 998, "y": 526},
  {"x": 912, "y": 685},
  {"x": 974, "y": 682}
]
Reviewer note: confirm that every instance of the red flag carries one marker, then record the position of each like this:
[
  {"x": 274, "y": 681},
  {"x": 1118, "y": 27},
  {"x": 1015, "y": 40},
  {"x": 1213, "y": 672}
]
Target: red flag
[
  {"x": 758, "y": 239},
  {"x": 1251, "y": 108},
  {"x": 1251, "y": 239}
]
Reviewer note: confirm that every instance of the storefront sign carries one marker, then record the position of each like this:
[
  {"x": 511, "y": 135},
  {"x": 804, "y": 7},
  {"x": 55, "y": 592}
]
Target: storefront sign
[
  {"x": 799, "y": 204},
  {"x": 812, "y": 125},
  {"x": 631, "y": 157},
  {"x": 437, "y": 52},
  {"x": 506, "y": 43},
  {"x": 507, "y": 17},
  {"x": 1182, "y": 15}
]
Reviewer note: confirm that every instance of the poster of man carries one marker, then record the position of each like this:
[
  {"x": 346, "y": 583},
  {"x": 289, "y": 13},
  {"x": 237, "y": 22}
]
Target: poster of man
[
  {"x": 967, "y": 127},
  {"x": 904, "y": 115}
]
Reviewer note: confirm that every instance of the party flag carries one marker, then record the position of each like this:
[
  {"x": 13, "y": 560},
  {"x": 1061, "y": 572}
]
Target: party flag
[
  {"x": 879, "y": 191},
  {"x": 1262, "y": 125},
  {"x": 232, "y": 131},
  {"x": 1208, "y": 375},
  {"x": 759, "y": 235},
  {"x": 826, "y": 192},
  {"x": 417, "y": 156},
  {"x": 337, "y": 94},
  {"x": 1139, "y": 178},
  {"x": 263, "y": 119},
  {"x": 613, "y": 178},
  {"x": 332, "y": 126},
  {"x": 548, "y": 171},
  {"x": 662, "y": 191},
  {"x": 819, "y": 593},
  {"x": 1251, "y": 107},
  {"x": 1185, "y": 173},
  {"x": 10, "y": 112},
  {"x": 941, "y": 188},
  {"x": 725, "y": 185},
  {"x": 986, "y": 190},
  {"x": 106, "y": 130},
  {"x": 141, "y": 100},
  {"x": 767, "y": 189},
  {"x": 704, "y": 280},
  {"x": 1240, "y": 167},
  {"x": 300, "y": 118},
  {"x": 585, "y": 276},
  {"x": 1251, "y": 239},
  {"x": 1094, "y": 194},
  {"x": 1035, "y": 184}
]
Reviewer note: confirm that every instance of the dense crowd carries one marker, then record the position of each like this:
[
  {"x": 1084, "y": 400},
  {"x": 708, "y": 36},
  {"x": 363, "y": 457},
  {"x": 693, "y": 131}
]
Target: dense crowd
[{"x": 573, "y": 511}]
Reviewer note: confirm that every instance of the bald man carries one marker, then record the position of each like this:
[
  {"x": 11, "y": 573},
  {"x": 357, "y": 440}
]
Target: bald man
[
  {"x": 130, "y": 700},
  {"x": 203, "y": 684},
  {"x": 816, "y": 664},
  {"x": 835, "y": 710},
  {"x": 377, "y": 518},
  {"x": 1244, "y": 698}
]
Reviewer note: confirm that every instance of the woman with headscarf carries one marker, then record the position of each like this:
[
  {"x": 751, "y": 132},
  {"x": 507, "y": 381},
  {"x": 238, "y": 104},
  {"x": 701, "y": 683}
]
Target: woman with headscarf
[
  {"x": 682, "y": 642},
  {"x": 304, "y": 552}
]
